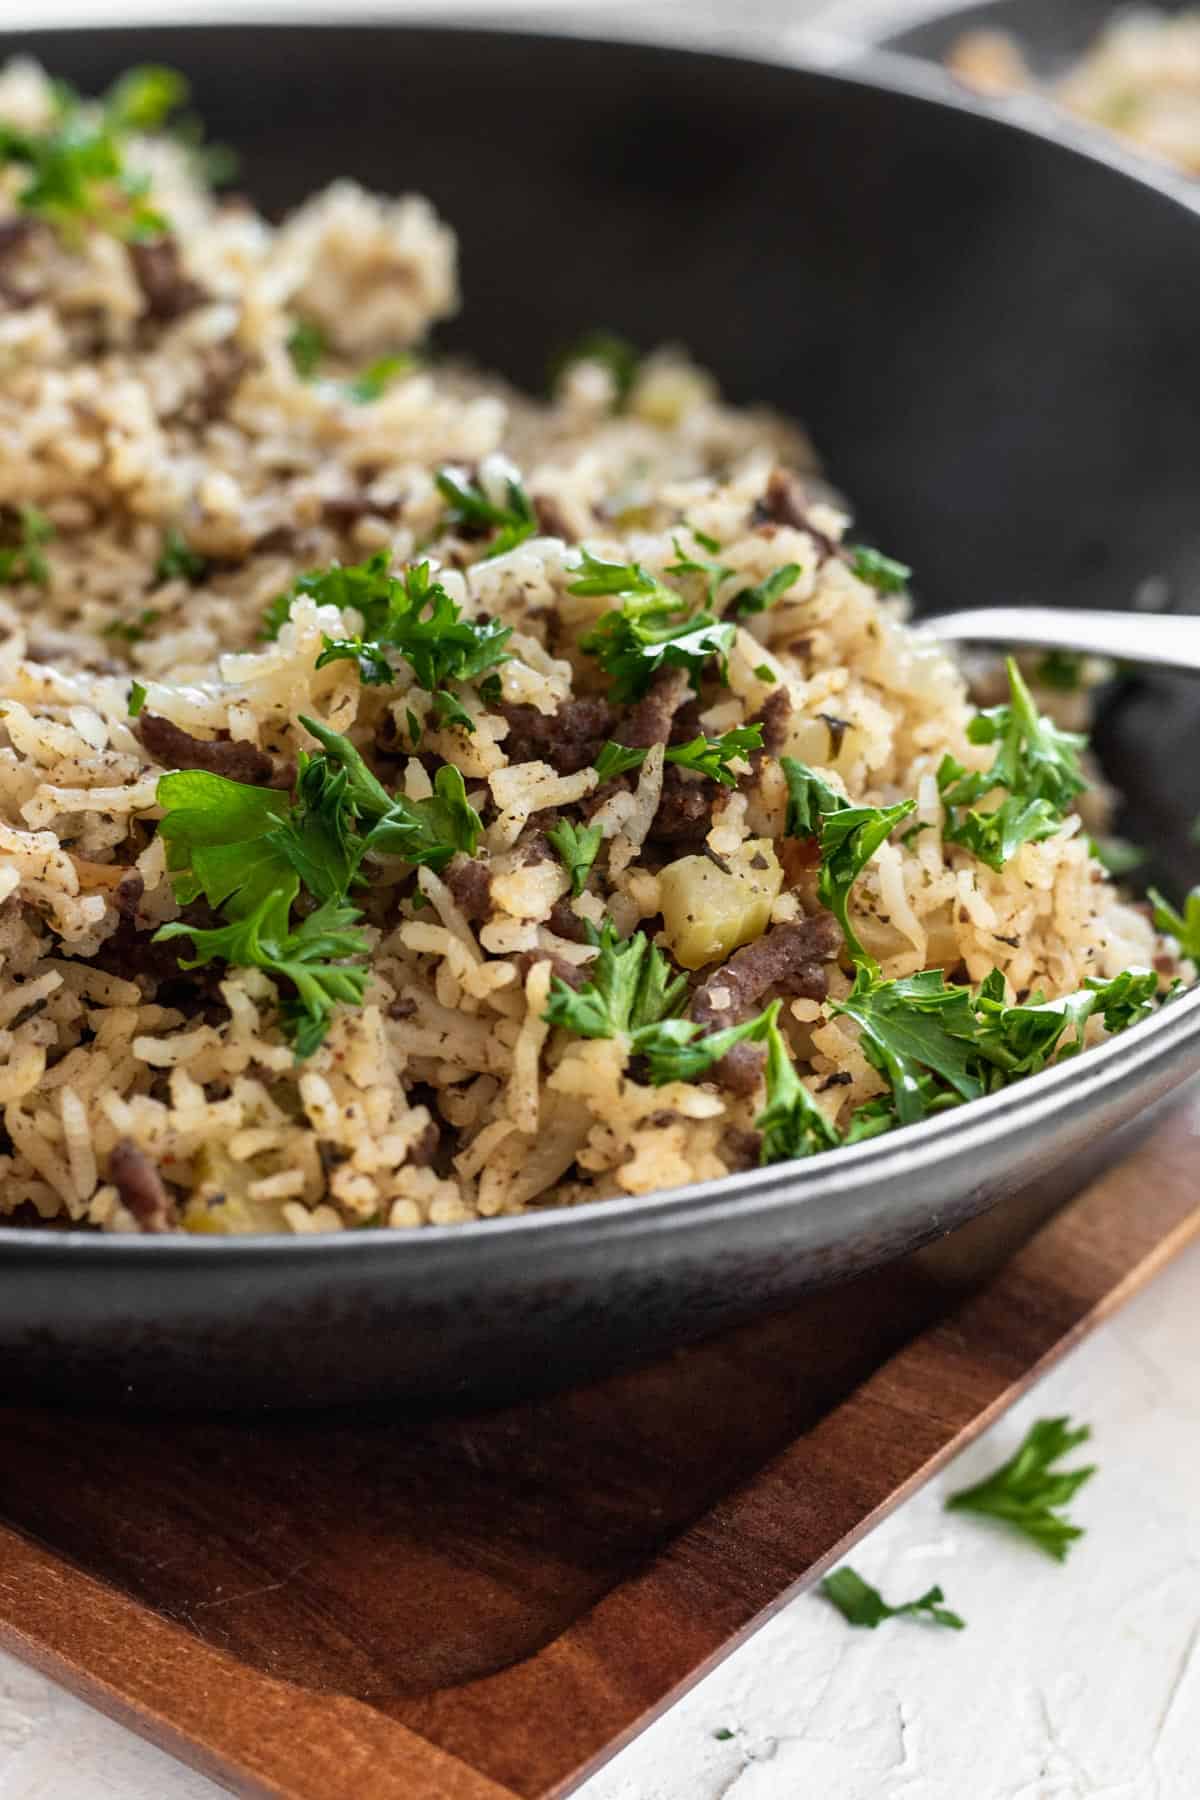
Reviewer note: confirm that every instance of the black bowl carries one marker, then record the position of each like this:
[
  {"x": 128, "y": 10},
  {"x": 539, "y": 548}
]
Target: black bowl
[{"x": 992, "y": 338}]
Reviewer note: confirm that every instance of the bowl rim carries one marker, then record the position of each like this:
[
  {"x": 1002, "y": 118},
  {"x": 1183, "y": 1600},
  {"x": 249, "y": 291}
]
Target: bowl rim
[{"x": 834, "y": 1174}]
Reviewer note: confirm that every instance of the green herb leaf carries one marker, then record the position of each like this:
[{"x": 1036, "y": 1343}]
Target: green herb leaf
[
  {"x": 614, "y": 353},
  {"x": 472, "y": 510},
  {"x": 617, "y": 759},
  {"x": 711, "y": 573},
  {"x": 307, "y": 346},
  {"x": 911, "y": 1028},
  {"x": 1117, "y": 856},
  {"x": 1183, "y": 926},
  {"x": 1060, "y": 669},
  {"x": 652, "y": 630},
  {"x": 1028, "y": 1493},
  {"x": 881, "y": 572},
  {"x": 142, "y": 98},
  {"x": 375, "y": 380},
  {"x": 766, "y": 593},
  {"x": 132, "y": 631},
  {"x": 712, "y": 756},
  {"x": 1035, "y": 762},
  {"x": 678, "y": 1050},
  {"x": 178, "y": 561},
  {"x": 410, "y": 614},
  {"x": 791, "y": 1123},
  {"x": 25, "y": 560},
  {"x": 629, "y": 986},
  {"x": 76, "y": 169},
  {"x": 849, "y": 837},
  {"x": 429, "y": 832},
  {"x": 861, "y": 1604},
  {"x": 577, "y": 847},
  {"x": 137, "y": 699}
]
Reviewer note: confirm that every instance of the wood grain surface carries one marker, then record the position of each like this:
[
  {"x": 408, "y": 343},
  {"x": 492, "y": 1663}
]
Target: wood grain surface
[{"x": 469, "y": 1607}]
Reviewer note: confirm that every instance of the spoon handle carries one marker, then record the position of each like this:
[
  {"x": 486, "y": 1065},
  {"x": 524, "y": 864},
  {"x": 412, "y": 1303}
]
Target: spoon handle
[{"x": 1171, "y": 640}]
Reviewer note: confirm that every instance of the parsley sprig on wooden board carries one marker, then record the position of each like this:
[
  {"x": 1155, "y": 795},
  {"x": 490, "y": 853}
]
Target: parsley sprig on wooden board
[
  {"x": 1029, "y": 1493},
  {"x": 861, "y": 1604},
  {"x": 252, "y": 854}
]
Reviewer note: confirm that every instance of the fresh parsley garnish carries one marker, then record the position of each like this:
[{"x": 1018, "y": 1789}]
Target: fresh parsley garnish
[
  {"x": 630, "y": 987},
  {"x": 25, "y": 560},
  {"x": 938, "y": 1044},
  {"x": 883, "y": 573},
  {"x": 861, "y": 1604},
  {"x": 652, "y": 630},
  {"x": 791, "y": 1123},
  {"x": 132, "y": 631},
  {"x": 77, "y": 174},
  {"x": 1116, "y": 855},
  {"x": 1028, "y": 1493},
  {"x": 410, "y": 615},
  {"x": 577, "y": 847},
  {"x": 617, "y": 759},
  {"x": 707, "y": 756},
  {"x": 143, "y": 98},
  {"x": 137, "y": 699},
  {"x": 1183, "y": 926},
  {"x": 757, "y": 599},
  {"x": 1035, "y": 763},
  {"x": 712, "y": 756},
  {"x": 848, "y": 835},
  {"x": 374, "y": 381},
  {"x": 178, "y": 561},
  {"x": 513, "y": 519},
  {"x": 1060, "y": 669},
  {"x": 611, "y": 351},
  {"x": 711, "y": 573},
  {"x": 251, "y": 852},
  {"x": 307, "y": 346}
]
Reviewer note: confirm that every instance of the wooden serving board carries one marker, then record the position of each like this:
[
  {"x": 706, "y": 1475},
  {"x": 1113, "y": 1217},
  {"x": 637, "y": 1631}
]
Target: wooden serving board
[{"x": 481, "y": 1607}]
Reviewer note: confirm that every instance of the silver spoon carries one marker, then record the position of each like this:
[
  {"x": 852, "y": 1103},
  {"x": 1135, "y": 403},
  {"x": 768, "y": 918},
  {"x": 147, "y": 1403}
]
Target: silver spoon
[{"x": 1170, "y": 640}]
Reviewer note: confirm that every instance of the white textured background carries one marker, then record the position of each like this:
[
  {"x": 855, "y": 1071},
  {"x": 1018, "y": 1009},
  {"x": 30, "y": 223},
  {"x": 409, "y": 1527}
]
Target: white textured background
[{"x": 1079, "y": 1682}]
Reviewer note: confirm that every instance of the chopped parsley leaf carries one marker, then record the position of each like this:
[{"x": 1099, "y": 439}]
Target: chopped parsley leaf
[
  {"x": 881, "y": 572},
  {"x": 629, "y": 987},
  {"x": 375, "y": 380},
  {"x": 250, "y": 853},
  {"x": 410, "y": 614},
  {"x": 861, "y": 1604},
  {"x": 848, "y": 835},
  {"x": 1060, "y": 669},
  {"x": 25, "y": 560},
  {"x": 1116, "y": 855},
  {"x": 712, "y": 573},
  {"x": 791, "y": 1123},
  {"x": 178, "y": 561},
  {"x": 1183, "y": 926},
  {"x": 577, "y": 847},
  {"x": 142, "y": 98},
  {"x": 77, "y": 174},
  {"x": 1028, "y": 1493},
  {"x": 137, "y": 699},
  {"x": 764, "y": 672},
  {"x": 712, "y": 756},
  {"x": 647, "y": 633},
  {"x": 513, "y": 519},
  {"x": 307, "y": 346},
  {"x": 617, "y": 759},
  {"x": 611, "y": 351},
  {"x": 132, "y": 631},
  {"x": 758, "y": 599}
]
